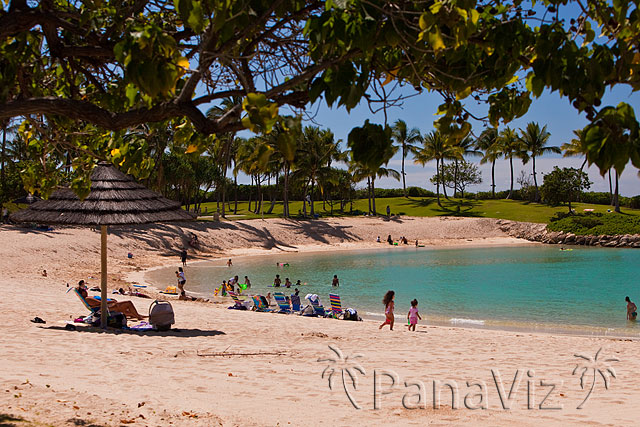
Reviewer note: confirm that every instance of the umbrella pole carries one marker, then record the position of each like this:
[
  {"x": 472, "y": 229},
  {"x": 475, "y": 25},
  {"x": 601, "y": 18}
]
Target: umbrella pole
[{"x": 103, "y": 277}]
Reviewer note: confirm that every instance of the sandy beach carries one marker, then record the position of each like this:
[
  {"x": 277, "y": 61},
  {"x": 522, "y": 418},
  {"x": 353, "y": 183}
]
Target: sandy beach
[{"x": 228, "y": 367}]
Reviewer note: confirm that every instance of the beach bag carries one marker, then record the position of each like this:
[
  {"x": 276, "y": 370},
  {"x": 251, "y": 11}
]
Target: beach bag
[
  {"x": 161, "y": 315},
  {"x": 114, "y": 320},
  {"x": 351, "y": 314}
]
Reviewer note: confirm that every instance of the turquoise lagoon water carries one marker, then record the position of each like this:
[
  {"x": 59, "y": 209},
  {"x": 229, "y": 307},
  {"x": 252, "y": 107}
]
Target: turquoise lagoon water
[{"x": 527, "y": 287}]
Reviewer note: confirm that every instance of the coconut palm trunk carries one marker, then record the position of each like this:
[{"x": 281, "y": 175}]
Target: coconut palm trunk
[
  {"x": 373, "y": 195},
  {"x": 285, "y": 195},
  {"x": 511, "y": 169},
  {"x": 369, "y": 193},
  {"x": 493, "y": 179},
  {"x": 404, "y": 183},
  {"x": 616, "y": 197},
  {"x": 535, "y": 181},
  {"x": 440, "y": 178},
  {"x": 455, "y": 178},
  {"x": 438, "y": 181},
  {"x": 610, "y": 189}
]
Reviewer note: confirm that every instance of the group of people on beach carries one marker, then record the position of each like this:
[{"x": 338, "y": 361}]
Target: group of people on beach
[{"x": 402, "y": 241}]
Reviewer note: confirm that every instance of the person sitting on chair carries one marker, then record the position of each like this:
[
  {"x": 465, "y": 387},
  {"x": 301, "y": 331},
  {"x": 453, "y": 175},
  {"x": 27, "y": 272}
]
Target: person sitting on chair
[{"x": 125, "y": 307}]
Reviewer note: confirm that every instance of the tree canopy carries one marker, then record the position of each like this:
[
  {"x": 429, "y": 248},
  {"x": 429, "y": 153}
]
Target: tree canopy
[{"x": 84, "y": 75}]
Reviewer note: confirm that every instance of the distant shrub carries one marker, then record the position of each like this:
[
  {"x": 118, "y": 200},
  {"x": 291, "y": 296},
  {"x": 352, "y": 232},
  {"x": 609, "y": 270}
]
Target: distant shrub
[
  {"x": 596, "y": 224},
  {"x": 597, "y": 198}
]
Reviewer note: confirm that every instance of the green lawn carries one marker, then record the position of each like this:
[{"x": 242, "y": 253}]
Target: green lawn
[{"x": 505, "y": 209}]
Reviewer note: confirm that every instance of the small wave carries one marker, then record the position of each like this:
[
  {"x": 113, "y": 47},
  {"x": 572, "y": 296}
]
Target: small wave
[
  {"x": 369, "y": 313},
  {"x": 467, "y": 321}
]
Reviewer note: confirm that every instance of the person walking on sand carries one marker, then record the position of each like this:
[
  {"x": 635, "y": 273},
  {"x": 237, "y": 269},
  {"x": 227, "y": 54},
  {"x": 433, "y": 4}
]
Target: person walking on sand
[
  {"x": 183, "y": 257},
  {"x": 632, "y": 310},
  {"x": 335, "y": 282},
  {"x": 181, "y": 279},
  {"x": 389, "y": 239},
  {"x": 388, "y": 309},
  {"x": 413, "y": 315}
]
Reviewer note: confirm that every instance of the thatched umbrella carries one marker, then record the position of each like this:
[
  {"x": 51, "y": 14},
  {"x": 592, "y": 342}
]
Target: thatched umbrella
[{"x": 115, "y": 199}]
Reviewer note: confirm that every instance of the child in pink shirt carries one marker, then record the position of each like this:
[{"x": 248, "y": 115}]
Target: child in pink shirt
[{"x": 413, "y": 315}]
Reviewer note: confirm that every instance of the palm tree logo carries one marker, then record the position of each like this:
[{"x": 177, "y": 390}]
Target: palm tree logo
[
  {"x": 348, "y": 369},
  {"x": 594, "y": 365}
]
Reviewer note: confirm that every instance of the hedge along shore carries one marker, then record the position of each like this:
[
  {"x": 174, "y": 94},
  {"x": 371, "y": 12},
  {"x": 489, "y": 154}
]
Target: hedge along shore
[{"x": 538, "y": 233}]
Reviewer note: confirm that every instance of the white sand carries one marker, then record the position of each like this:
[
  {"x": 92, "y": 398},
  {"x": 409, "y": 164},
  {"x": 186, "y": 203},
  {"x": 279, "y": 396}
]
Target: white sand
[{"x": 58, "y": 377}]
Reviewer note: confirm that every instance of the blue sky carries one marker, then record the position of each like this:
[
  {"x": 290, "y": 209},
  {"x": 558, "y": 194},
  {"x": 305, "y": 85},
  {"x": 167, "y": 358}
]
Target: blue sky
[{"x": 551, "y": 110}]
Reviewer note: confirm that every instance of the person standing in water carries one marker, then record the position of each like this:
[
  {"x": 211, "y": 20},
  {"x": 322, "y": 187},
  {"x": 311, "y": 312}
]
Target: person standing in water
[
  {"x": 388, "y": 309},
  {"x": 277, "y": 281},
  {"x": 632, "y": 310},
  {"x": 335, "y": 281}
]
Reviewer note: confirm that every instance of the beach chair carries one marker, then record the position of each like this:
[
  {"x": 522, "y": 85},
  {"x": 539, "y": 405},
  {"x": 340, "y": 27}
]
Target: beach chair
[
  {"x": 295, "y": 303},
  {"x": 238, "y": 303},
  {"x": 336, "y": 305},
  {"x": 260, "y": 303},
  {"x": 319, "y": 310},
  {"x": 283, "y": 304},
  {"x": 93, "y": 310}
]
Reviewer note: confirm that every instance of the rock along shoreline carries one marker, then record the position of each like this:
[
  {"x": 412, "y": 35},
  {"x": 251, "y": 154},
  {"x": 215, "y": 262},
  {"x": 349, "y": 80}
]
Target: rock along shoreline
[{"x": 538, "y": 233}]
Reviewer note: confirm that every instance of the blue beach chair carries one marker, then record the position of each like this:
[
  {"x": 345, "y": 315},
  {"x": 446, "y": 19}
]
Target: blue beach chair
[{"x": 283, "y": 304}]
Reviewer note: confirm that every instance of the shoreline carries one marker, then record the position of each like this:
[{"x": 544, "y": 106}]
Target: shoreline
[
  {"x": 514, "y": 326},
  {"x": 214, "y": 362}
]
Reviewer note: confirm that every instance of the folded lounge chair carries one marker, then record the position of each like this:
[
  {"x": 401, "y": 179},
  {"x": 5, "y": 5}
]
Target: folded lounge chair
[
  {"x": 283, "y": 304},
  {"x": 238, "y": 303},
  {"x": 336, "y": 305}
]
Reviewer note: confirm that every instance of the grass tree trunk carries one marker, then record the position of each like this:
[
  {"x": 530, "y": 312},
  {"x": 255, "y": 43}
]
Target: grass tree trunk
[{"x": 493, "y": 179}]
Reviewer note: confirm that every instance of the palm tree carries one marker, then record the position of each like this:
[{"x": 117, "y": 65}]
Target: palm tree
[
  {"x": 535, "y": 141},
  {"x": 434, "y": 147},
  {"x": 372, "y": 148},
  {"x": 406, "y": 139},
  {"x": 511, "y": 146},
  {"x": 318, "y": 149},
  {"x": 224, "y": 151},
  {"x": 488, "y": 144}
]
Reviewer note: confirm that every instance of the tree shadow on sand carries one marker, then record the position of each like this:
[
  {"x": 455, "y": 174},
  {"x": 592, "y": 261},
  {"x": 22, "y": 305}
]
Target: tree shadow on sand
[
  {"x": 183, "y": 333},
  {"x": 7, "y": 420},
  {"x": 319, "y": 230}
]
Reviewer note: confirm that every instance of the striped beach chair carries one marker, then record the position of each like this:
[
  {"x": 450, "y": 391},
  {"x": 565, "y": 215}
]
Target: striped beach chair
[
  {"x": 260, "y": 303},
  {"x": 336, "y": 305},
  {"x": 283, "y": 304}
]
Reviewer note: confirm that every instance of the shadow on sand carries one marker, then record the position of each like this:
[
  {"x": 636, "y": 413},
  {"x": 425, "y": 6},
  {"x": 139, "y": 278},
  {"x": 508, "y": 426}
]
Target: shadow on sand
[{"x": 184, "y": 333}]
